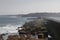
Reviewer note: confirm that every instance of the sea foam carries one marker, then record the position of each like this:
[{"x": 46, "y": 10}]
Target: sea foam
[{"x": 9, "y": 28}]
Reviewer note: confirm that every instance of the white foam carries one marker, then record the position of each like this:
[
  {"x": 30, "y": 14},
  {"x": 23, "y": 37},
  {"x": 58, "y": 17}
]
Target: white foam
[{"x": 9, "y": 28}]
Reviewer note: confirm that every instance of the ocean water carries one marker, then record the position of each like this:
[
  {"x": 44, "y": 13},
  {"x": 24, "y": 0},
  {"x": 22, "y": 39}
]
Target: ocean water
[{"x": 9, "y": 24}]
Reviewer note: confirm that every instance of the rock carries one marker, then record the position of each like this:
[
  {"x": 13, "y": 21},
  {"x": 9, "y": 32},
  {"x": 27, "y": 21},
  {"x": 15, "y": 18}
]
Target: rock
[
  {"x": 1, "y": 38},
  {"x": 13, "y": 37}
]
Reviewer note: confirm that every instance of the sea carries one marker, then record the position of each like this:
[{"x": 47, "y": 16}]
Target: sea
[{"x": 10, "y": 23}]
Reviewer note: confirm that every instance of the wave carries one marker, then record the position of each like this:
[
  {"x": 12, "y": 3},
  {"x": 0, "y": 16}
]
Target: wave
[{"x": 9, "y": 28}]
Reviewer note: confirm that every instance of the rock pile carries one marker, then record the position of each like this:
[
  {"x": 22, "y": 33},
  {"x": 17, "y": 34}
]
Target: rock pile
[{"x": 13, "y": 37}]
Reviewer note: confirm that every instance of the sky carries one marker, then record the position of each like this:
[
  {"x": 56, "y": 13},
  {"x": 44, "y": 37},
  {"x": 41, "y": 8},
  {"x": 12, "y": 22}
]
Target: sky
[{"x": 28, "y": 6}]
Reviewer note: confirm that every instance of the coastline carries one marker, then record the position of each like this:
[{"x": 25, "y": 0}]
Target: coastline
[{"x": 6, "y": 35}]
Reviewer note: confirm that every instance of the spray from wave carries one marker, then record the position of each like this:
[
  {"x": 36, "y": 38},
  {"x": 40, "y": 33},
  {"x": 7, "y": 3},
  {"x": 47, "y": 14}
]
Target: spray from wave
[{"x": 10, "y": 28}]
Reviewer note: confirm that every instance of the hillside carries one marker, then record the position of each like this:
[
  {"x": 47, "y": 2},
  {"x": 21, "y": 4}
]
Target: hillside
[{"x": 42, "y": 15}]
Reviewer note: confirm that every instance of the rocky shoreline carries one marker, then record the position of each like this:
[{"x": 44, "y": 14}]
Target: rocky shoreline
[
  {"x": 16, "y": 37},
  {"x": 7, "y": 36},
  {"x": 33, "y": 30}
]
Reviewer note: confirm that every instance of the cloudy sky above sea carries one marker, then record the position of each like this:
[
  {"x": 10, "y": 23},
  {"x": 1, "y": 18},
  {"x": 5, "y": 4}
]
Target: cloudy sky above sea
[{"x": 28, "y": 6}]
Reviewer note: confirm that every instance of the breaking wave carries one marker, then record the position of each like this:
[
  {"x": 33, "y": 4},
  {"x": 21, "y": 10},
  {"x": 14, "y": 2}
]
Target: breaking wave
[{"x": 9, "y": 28}]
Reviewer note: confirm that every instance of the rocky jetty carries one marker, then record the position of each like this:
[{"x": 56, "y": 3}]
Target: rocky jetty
[{"x": 33, "y": 30}]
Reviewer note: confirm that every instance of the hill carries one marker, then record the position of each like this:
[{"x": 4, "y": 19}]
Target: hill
[{"x": 42, "y": 15}]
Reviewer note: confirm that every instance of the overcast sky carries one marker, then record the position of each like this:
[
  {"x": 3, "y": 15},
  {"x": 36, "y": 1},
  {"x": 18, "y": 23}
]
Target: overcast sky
[{"x": 28, "y": 6}]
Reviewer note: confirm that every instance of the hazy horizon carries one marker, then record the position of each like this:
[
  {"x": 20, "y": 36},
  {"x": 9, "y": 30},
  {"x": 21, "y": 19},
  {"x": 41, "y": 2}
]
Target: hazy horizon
[{"x": 12, "y": 7}]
